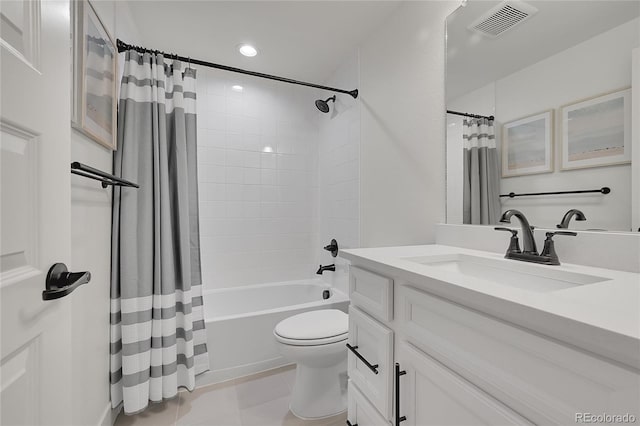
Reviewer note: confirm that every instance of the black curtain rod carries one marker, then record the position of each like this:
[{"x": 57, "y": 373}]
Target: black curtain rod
[
  {"x": 122, "y": 46},
  {"x": 466, "y": 114},
  {"x": 603, "y": 190}
]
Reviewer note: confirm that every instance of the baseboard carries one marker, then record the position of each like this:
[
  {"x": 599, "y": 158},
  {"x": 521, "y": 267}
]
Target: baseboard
[{"x": 109, "y": 415}]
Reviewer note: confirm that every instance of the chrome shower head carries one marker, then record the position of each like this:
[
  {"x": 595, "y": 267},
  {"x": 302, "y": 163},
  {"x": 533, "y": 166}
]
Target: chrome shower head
[{"x": 323, "y": 106}]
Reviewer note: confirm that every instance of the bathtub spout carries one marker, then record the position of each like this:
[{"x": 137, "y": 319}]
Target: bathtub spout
[{"x": 321, "y": 269}]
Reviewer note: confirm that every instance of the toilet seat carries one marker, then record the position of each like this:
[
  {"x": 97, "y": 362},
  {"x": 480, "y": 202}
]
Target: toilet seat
[{"x": 313, "y": 328}]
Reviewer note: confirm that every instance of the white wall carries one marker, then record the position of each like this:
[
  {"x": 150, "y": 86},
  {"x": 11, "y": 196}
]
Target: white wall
[
  {"x": 402, "y": 126},
  {"x": 91, "y": 251},
  {"x": 598, "y": 65},
  {"x": 258, "y": 220},
  {"x": 338, "y": 168}
]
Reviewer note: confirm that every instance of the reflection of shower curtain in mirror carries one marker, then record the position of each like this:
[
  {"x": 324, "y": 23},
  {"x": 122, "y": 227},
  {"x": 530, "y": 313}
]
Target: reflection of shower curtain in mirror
[{"x": 481, "y": 197}]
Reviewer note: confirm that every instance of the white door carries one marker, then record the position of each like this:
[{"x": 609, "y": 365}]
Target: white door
[
  {"x": 431, "y": 394},
  {"x": 34, "y": 211}
]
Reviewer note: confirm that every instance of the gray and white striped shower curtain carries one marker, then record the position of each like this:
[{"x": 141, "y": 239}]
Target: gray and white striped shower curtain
[
  {"x": 481, "y": 182},
  {"x": 158, "y": 340}
]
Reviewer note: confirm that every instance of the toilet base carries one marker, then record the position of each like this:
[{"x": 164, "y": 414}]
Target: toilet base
[
  {"x": 319, "y": 392},
  {"x": 315, "y": 418}
]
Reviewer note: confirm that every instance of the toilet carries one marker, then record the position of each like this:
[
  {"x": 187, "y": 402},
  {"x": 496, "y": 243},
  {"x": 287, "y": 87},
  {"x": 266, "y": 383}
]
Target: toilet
[{"x": 315, "y": 341}]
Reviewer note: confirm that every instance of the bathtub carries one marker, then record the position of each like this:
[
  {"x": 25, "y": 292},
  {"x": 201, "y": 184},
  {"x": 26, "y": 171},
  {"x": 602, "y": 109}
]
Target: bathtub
[{"x": 240, "y": 323}]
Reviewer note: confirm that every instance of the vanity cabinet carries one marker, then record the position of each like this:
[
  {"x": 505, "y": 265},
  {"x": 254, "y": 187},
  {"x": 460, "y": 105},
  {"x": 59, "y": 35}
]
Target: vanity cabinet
[
  {"x": 460, "y": 366},
  {"x": 432, "y": 394}
]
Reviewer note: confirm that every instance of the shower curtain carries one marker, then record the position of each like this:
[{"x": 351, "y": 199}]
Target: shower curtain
[
  {"x": 157, "y": 326},
  {"x": 481, "y": 196}
]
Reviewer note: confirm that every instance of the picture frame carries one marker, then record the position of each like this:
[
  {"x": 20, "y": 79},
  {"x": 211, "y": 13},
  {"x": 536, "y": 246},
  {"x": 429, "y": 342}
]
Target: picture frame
[
  {"x": 596, "y": 132},
  {"x": 94, "y": 100},
  {"x": 527, "y": 145}
]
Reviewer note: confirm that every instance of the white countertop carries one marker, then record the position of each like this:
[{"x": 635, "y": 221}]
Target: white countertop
[{"x": 602, "y": 317}]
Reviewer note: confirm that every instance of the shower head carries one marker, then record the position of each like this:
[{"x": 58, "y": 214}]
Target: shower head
[{"x": 323, "y": 106}]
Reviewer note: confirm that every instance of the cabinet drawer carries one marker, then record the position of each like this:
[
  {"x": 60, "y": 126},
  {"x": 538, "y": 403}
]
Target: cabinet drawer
[
  {"x": 361, "y": 412},
  {"x": 543, "y": 380},
  {"x": 374, "y": 343},
  {"x": 371, "y": 292},
  {"x": 431, "y": 394}
]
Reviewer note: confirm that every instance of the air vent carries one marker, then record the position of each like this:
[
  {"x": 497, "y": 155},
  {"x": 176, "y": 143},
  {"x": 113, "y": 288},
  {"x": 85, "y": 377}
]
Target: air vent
[{"x": 503, "y": 17}]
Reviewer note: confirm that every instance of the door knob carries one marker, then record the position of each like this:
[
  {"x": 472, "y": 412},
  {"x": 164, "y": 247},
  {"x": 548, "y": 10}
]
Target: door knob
[{"x": 60, "y": 282}]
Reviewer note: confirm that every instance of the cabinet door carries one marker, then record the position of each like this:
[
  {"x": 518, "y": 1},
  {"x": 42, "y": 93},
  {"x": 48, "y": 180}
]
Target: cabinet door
[
  {"x": 361, "y": 412},
  {"x": 371, "y": 292},
  {"x": 431, "y": 394},
  {"x": 374, "y": 343}
]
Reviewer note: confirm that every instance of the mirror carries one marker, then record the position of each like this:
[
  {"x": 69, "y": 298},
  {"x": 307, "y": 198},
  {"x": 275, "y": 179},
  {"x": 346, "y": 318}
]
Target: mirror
[{"x": 555, "y": 78}]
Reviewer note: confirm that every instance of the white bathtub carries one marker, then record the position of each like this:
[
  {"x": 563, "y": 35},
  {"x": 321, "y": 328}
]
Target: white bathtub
[{"x": 240, "y": 324}]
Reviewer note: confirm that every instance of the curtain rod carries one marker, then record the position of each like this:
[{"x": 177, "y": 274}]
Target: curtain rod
[
  {"x": 122, "y": 46},
  {"x": 466, "y": 114}
]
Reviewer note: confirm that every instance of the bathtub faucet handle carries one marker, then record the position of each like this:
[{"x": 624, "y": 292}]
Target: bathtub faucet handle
[
  {"x": 321, "y": 269},
  {"x": 332, "y": 247}
]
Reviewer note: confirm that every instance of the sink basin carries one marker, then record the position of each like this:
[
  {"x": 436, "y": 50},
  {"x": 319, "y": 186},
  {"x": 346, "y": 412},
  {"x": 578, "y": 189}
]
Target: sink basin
[{"x": 510, "y": 273}]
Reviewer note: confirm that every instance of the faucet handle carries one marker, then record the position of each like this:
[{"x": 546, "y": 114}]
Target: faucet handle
[
  {"x": 514, "y": 232},
  {"x": 569, "y": 233},
  {"x": 514, "y": 244},
  {"x": 549, "y": 249}
]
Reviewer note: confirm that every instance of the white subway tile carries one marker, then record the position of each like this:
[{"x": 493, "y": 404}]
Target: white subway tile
[
  {"x": 268, "y": 160},
  {"x": 251, "y": 193},
  {"x": 234, "y": 124},
  {"x": 234, "y": 158},
  {"x": 268, "y": 193},
  {"x": 251, "y": 159},
  {"x": 234, "y": 175},
  {"x": 268, "y": 177},
  {"x": 234, "y": 192},
  {"x": 251, "y": 176}
]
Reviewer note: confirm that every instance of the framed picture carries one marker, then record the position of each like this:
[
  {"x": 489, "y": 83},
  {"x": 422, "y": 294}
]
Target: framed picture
[
  {"x": 527, "y": 145},
  {"x": 597, "y": 132},
  {"x": 94, "y": 76}
]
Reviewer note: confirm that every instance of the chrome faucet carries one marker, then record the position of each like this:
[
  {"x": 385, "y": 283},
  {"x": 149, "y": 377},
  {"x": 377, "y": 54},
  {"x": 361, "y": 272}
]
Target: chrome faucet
[
  {"x": 548, "y": 256},
  {"x": 567, "y": 218}
]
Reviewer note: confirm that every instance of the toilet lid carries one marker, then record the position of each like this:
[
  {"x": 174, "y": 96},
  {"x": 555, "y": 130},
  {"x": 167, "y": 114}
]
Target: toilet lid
[{"x": 315, "y": 327}]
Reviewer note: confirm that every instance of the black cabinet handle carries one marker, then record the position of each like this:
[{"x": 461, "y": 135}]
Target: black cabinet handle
[
  {"x": 399, "y": 373},
  {"x": 60, "y": 282},
  {"x": 373, "y": 367},
  {"x": 349, "y": 423}
]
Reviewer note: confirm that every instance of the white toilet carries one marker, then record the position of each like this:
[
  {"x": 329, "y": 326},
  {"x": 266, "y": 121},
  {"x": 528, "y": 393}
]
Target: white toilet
[{"x": 315, "y": 341}]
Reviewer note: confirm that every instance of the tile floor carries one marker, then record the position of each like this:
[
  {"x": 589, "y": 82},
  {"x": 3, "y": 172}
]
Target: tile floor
[{"x": 258, "y": 400}]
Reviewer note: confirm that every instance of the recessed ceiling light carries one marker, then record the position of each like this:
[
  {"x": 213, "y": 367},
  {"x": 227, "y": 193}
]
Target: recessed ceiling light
[
  {"x": 247, "y": 50},
  {"x": 237, "y": 88}
]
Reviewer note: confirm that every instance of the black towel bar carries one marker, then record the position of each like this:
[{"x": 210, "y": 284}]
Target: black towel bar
[
  {"x": 105, "y": 178},
  {"x": 603, "y": 190}
]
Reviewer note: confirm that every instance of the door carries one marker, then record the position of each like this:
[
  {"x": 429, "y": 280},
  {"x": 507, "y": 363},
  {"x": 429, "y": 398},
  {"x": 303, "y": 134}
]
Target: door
[
  {"x": 34, "y": 210},
  {"x": 431, "y": 394}
]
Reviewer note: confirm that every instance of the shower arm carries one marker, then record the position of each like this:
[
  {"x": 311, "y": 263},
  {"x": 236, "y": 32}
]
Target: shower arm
[{"x": 122, "y": 46}]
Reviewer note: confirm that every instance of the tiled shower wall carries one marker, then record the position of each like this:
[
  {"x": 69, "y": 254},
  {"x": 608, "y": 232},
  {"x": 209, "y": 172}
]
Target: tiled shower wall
[
  {"x": 339, "y": 177},
  {"x": 257, "y": 172}
]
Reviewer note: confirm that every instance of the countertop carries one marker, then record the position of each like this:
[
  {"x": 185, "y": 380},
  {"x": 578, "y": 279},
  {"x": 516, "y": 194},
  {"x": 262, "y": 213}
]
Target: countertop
[{"x": 603, "y": 317}]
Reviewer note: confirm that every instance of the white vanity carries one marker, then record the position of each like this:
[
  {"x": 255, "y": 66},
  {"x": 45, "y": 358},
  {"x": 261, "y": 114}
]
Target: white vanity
[{"x": 447, "y": 335}]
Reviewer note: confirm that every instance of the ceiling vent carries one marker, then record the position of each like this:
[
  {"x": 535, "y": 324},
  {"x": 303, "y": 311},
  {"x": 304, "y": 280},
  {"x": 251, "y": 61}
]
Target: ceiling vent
[{"x": 503, "y": 17}]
